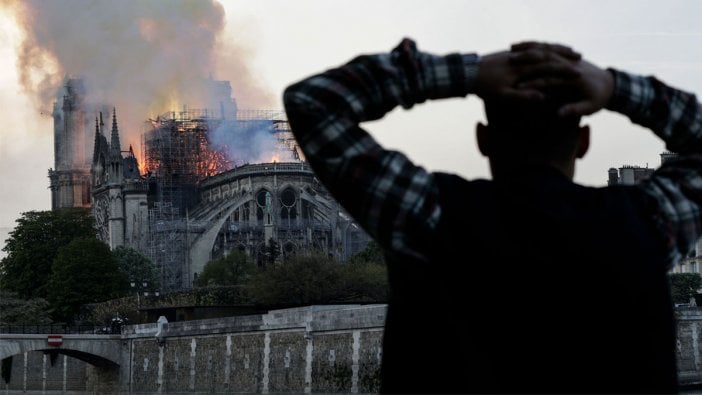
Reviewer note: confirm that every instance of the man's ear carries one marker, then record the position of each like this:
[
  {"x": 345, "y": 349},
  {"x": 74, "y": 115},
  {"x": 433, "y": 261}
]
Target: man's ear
[
  {"x": 583, "y": 141},
  {"x": 482, "y": 133}
]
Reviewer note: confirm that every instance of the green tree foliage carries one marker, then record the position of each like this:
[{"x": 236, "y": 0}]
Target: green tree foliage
[
  {"x": 136, "y": 267},
  {"x": 364, "y": 282},
  {"x": 234, "y": 269},
  {"x": 371, "y": 254},
  {"x": 17, "y": 311},
  {"x": 33, "y": 245},
  {"x": 84, "y": 271},
  {"x": 302, "y": 279},
  {"x": 684, "y": 286},
  {"x": 270, "y": 255},
  {"x": 316, "y": 279}
]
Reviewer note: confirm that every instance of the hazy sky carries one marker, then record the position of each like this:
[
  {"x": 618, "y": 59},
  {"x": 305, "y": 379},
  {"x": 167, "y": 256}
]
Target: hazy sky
[{"x": 282, "y": 41}]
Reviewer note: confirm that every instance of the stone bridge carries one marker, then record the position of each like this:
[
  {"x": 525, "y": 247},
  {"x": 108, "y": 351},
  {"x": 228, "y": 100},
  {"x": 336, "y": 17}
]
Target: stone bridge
[{"x": 103, "y": 351}]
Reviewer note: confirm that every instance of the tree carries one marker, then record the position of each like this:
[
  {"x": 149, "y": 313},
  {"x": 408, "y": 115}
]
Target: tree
[
  {"x": 684, "y": 286},
  {"x": 234, "y": 269},
  {"x": 364, "y": 282},
  {"x": 136, "y": 267},
  {"x": 270, "y": 254},
  {"x": 300, "y": 280},
  {"x": 16, "y": 311},
  {"x": 365, "y": 275},
  {"x": 33, "y": 245},
  {"x": 315, "y": 279},
  {"x": 372, "y": 254},
  {"x": 84, "y": 271}
]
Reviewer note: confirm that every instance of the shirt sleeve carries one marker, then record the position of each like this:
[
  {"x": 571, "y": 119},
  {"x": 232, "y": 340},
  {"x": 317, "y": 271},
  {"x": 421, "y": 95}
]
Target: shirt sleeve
[
  {"x": 392, "y": 198},
  {"x": 676, "y": 187}
]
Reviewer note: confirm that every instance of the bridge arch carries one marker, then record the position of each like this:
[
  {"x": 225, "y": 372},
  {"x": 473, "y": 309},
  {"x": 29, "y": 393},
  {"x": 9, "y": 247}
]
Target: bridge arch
[{"x": 99, "y": 350}]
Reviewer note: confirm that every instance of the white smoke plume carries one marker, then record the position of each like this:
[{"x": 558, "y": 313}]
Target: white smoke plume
[
  {"x": 251, "y": 141},
  {"x": 143, "y": 57}
]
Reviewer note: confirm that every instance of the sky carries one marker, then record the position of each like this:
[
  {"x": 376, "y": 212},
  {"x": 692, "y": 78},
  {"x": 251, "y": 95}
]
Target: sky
[{"x": 263, "y": 46}]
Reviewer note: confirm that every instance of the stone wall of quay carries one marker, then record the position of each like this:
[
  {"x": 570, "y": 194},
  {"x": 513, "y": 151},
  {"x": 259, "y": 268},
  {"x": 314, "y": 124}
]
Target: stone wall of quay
[{"x": 316, "y": 349}]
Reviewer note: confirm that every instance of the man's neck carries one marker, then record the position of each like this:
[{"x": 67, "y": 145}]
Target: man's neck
[{"x": 514, "y": 169}]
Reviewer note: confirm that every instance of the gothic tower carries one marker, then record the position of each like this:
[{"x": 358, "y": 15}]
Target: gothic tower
[
  {"x": 119, "y": 192},
  {"x": 70, "y": 179},
  {"x": 116, "y": 220}
]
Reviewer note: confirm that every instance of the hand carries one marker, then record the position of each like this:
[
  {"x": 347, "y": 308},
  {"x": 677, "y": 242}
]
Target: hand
[
  {"x": 500, "y": 73},
  {"x": 594, "y": 86},
  {"x": 534, "y": 50}
]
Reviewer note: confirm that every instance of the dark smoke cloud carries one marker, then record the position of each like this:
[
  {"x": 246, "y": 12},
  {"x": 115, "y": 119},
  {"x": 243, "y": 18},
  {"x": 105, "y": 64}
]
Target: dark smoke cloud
[{"x": 143, "y": 57}]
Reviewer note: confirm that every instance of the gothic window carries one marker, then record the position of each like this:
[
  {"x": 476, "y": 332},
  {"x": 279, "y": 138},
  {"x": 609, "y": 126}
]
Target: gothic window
[
  {"x": 264, "y": 209},
  {"x": 245, "y": 212},
  {"x": 307, "y": 210},
  {"x": 100, "y": 171},
  {"x": 288, "y": 202},
  {"x": 102, "y": 216},
  {"x": 85, "y": 192}
]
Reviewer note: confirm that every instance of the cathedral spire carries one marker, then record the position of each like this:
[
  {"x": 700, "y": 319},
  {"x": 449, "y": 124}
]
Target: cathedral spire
[
  {"x": 97, "y": 140},
  {"x": 115, "y": 146}
]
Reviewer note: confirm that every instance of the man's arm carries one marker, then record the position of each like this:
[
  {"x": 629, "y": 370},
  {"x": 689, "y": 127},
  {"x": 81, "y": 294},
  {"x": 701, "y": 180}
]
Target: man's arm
[
  {"x": 676, "y": 117},
  {"x": 394, "y": 200}
]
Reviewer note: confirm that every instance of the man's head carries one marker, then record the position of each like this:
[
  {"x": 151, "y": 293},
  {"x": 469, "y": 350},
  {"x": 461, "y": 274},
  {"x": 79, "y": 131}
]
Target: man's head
[{"x": 521, "y": 131}]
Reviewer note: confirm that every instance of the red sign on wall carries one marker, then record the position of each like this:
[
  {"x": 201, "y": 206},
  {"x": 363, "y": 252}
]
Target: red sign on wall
[{"x": 55, "y": 340}]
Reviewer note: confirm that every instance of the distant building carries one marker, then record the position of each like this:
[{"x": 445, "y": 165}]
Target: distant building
[
  {"x": 631, "y": 175},
  {"x": 628, "y": 175}
]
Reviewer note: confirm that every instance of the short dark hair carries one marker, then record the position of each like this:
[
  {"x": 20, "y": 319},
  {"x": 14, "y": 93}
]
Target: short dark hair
[{"x": 531, "y": 129}]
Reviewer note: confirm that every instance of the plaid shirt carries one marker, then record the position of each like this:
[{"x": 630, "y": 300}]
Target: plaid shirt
[{"x": 397, "y": 201}]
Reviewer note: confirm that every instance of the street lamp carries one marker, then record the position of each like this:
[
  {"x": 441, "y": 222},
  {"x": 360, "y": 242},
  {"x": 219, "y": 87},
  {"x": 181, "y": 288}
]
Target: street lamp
[
  {"x": 144, "y": 288},
  {"x": 141, "y": 288}
]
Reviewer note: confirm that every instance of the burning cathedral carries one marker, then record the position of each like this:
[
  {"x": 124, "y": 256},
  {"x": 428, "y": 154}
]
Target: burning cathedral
[{"x": 210, "y": 180}]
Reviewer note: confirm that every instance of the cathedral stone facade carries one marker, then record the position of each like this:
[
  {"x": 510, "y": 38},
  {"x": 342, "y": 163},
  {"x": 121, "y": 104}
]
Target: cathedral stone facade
[{"x": 267, "y": 210}]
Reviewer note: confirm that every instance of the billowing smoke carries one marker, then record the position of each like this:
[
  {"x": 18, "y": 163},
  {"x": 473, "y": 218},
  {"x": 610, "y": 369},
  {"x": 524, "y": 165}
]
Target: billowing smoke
[
  {"x": 252, "y": 141},
  {"x": 144, "y": 57}
]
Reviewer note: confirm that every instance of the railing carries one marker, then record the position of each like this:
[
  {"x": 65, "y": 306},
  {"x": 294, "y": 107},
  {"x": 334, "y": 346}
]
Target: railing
[{"x": 58, "y": 329}]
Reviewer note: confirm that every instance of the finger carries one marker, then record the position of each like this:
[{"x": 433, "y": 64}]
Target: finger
[
  {"x": 527, "y": 56},
  {"x": 565, "y": 71},
  {"x": 564, "y": 51},
  {"x": 580, "y": 108},
  {"x": 522, "y": 94},
  {"x": 525, "y": 45},
  {"x": 560, "y": 49},
  {"x": 544, "y": 59},
  {"x": 542, "y": 83}
]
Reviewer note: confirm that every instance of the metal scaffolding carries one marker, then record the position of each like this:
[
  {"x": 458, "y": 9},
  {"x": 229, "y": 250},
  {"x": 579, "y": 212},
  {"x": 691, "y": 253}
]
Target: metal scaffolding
[
  {"x": 179, "y": 153},
  {"x": 168, "y": 246}
]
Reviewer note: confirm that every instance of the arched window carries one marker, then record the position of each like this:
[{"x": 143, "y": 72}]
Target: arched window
[
  {"x": 264, "y": 210},
  {"x": 288, "y": 203}
]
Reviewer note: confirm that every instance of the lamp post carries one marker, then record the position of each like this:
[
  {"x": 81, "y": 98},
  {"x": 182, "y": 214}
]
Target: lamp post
[
  {"x": 141, "y": 288},
  {"x": 135, "y": 287}
]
